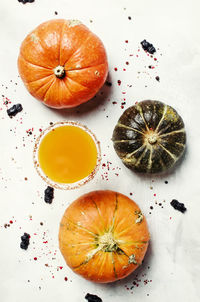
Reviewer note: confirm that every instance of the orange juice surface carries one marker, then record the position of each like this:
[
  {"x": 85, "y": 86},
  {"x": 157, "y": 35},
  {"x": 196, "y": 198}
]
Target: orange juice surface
[{"x": 67, "y": 154}]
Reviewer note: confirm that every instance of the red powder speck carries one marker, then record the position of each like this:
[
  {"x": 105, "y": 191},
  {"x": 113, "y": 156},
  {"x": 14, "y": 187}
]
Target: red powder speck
[
  {"x": 137, "y": 56},
  {"x": 115, "y": 69},
  {"x": 154, "y": 194},
  {"x": 124, "y": 69},
  {"x": 53, "y": 277},
  {"x": 40, "y": 130},
  {"x": 122, "y": 106},
  {"x": 127, "y": 63},
  {"x": 155, "y": 59},
  {"x": 170, "y": 217},
  {"x": 35, "y": 258},
  {"x": 60, "y": 267},
  {"x": 126, "y": 41},
  {"x": 11, "y": 221},
  {"x": 65, "y": 278},
  {"x": 45, "y": 242},
  {"x": 119, "y": 82},
  {"x": 123, "y": 92}
]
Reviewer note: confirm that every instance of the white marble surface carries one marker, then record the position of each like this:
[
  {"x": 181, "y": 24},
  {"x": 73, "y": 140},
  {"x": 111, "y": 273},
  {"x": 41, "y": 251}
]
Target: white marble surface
[{"x": 174, "y": 254}]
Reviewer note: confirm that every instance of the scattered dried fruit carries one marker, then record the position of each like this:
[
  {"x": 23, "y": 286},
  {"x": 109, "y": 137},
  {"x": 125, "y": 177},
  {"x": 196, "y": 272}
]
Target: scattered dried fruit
[
  {"x": 25, "y": 240},
  {"x": 26, "y": 1},
  {"x": 148, "y": 47},
  {"x": 178, "y": 205},
  {"x": 93, "y": 298},
  {"x": 14, "y": 110},
  {"x": 49, "y": 194}
]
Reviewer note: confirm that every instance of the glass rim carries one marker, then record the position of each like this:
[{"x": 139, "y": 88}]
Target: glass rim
[{"x": 65, "y": 186}]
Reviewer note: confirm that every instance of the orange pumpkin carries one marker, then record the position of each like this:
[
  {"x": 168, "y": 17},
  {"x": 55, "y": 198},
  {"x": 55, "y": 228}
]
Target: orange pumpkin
[
  {"x": 103, "y": 236},
  {"x": 62, "y": 63}
]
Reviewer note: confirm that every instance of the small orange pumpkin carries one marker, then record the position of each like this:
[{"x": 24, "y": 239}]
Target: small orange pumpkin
[
  {"x": 62, "y": 63},
  {"x": 103, "y": 236}
]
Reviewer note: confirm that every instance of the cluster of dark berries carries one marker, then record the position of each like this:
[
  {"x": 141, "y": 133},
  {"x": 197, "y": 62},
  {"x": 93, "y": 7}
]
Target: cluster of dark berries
[
  {"x": 178, "y": 205},
  {"x": 25, "y": 241},
  {"x": 49, "y": 194},
  {"x": 26, "y": 1},
  {"x": 148, "y": 47},
  {"x": 92, "y": 298},
  {"x": 14, "y": 110}
]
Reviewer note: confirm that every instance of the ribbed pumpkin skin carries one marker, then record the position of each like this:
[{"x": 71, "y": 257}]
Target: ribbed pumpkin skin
[
  {"x": 69, "y": 44},
  {"x": 149, "y": 137},
  {"x": 87, "y": 224}
]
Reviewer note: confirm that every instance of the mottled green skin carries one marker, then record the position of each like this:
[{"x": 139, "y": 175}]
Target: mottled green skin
[{"x": 131, "y": 145}]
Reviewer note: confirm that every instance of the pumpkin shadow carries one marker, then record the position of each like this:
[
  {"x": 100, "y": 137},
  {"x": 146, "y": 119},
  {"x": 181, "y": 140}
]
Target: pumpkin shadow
[
  {"x": 98, "y": 100},
  {"x": 138, "y": 274},
  {"x": 167, "y": 173}
]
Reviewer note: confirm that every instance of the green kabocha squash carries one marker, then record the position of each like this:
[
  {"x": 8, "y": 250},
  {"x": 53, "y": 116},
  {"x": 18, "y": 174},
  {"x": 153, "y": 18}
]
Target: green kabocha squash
[{"x": 149, "y": 137}]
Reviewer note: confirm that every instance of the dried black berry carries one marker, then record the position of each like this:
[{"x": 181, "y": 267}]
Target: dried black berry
[
  {"x": 25, "y": 237},
  {"x": 157, "y": 78},
  {"x": 25, "y": 240},
  {"x": 178, "y": 205},
  {"x": 49, "y": 194},
  {"x": 148, "y": 47},
  {"x": 14, "y": 110},
  {"x": 93, "y": 298},
  {"x": 26, "y": 1},
  {"x": 23, "y": 246}
]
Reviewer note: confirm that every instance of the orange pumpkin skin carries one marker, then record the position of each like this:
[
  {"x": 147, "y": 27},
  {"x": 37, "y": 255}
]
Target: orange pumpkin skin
[
  {"x": 62, "y": 63},
  {"x": 103, "y": 236}
]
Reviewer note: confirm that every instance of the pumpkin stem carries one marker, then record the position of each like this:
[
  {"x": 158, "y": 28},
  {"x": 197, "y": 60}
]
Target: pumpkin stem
[
  {"x": 152, "y": 137},
  {"x": 107, "y": 243},
  {"x": 59, "y": 71}
]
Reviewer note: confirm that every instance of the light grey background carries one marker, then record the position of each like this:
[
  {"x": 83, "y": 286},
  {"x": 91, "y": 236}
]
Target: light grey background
[{"x": 174, "y": 253}]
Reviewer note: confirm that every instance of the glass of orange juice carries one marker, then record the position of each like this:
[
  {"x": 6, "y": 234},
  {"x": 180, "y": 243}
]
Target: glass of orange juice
[{"x": 67, "y": 155}]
